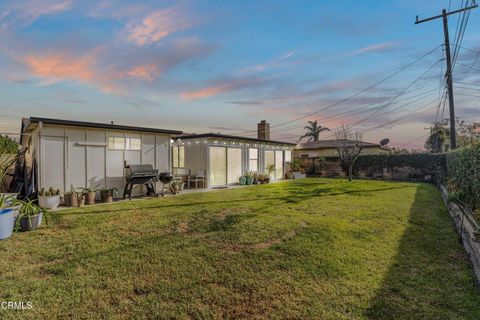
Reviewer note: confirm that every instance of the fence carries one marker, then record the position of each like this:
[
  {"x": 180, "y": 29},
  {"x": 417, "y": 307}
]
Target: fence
[{"x": 404, "y": 167}]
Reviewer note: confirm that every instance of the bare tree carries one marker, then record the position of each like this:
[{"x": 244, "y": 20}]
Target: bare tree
[{"x": 348, "y": 147}]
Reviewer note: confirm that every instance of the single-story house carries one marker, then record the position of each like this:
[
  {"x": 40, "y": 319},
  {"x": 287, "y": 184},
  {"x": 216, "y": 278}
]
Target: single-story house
[
  {"x": 224, "y": 158},
  {"x": 328, "y": 148},
  {"x": 87, "y": 154}
]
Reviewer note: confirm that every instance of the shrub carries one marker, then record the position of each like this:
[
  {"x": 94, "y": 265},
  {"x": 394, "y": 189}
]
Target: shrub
[
  {"x": 425, "y": 161},
  {"x": 463, "y": 167},
  {"x": 8, "y": 145}
]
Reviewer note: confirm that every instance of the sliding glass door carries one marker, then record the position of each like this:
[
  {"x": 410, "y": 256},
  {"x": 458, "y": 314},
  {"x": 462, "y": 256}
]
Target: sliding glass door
[
  {"x": 225, "y": 165},
  {"x": 278, "y": 165},
  {"x": 234, "y": 164},
  {"x": 274, "y": 158},
  {"x": 218, "y": 166}
]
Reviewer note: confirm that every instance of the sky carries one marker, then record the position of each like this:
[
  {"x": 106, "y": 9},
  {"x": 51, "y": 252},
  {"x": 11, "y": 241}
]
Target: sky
[{"x": 222, "y": 66}]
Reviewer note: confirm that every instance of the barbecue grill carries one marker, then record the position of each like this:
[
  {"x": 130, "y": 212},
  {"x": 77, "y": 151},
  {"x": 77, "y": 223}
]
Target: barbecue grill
[
  {"x": 165, "y": 178},
  {"x": 140, "y": 174}
]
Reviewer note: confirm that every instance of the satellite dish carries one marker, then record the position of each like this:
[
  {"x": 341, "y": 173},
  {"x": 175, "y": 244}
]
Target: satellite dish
[{"x": 384, "y": 142}]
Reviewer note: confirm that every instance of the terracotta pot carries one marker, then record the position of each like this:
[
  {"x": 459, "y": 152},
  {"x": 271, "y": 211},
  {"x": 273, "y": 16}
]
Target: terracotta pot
[
  {"x": 107, "y": 196},
  {"x": 71, "y": 200},
  {"x": 89, "y": 198}
]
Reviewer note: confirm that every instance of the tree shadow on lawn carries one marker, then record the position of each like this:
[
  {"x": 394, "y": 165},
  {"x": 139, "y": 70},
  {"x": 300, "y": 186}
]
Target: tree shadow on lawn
[
  {"x": 430, "y": 277},
  {"x": 295, "y": 195}
]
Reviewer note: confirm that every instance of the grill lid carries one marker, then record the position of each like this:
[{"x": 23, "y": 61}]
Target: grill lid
[{"x": 141, "y": 169}]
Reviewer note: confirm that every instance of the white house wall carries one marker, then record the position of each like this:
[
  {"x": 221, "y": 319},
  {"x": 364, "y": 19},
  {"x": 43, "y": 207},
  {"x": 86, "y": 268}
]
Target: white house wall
[
  {"x": 197, "y": 153},
  {"x": 80, "y": 157}
]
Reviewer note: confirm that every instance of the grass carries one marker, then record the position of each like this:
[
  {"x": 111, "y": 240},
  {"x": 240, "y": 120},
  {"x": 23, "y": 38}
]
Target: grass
[{"x": 304, "y": 249}]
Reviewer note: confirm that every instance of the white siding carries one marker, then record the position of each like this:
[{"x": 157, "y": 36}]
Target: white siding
[
  {"x": 162, "y": 153},
  {"x": 148, "y": 149},
  {"x": 80, "y": 157},
  {"x": 76, "y": 167},
  {"x": 52, "y": 162}
]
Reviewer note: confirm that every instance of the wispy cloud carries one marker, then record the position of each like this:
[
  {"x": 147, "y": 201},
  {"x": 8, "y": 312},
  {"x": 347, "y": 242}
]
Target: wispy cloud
[
  {"x": 223, "y": 86},
  {"x": 156, "y": 26},
  {"x": 277, "y": 62},
  {"x": 378, "y": 47},
  {"x": 27, "y": 11}
]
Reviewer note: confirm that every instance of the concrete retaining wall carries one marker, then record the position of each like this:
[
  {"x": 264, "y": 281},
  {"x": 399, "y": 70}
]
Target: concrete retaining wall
[{"x": 466, "y": 228}]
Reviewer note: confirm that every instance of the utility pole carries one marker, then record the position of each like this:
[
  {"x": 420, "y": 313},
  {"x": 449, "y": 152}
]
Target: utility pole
[{"x": 444, "y": 16}]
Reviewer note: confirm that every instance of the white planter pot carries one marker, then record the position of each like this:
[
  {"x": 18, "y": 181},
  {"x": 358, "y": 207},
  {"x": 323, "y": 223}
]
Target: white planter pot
[
  {"x": 7, "y": 222},
  {"x": 48, "y": 202},
  {"x": 298, "y": 175}
]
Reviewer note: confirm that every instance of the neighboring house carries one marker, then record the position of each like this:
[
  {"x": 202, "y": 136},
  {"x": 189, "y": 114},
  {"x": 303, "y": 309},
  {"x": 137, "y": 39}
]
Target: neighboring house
[
  {"x": 86, "y": 154},
  {"x": 224, "y": 158},
  {"x": 328, "y": 148}
]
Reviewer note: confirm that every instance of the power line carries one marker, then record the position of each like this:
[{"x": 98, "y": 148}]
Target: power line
[
  {"x": 358, "y": 110},
  {"x": 387, "y": 104},
  {"x": 414, "y": 140},
  {"x": 353, "y": 95},
  {"x": 444, "y": 16}
]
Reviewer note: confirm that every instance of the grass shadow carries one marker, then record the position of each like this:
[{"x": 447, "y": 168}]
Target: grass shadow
[{"x": 428, "y": 277}]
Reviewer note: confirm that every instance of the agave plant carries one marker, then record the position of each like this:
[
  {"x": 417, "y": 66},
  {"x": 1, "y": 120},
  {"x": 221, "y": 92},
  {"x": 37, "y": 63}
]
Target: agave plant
[
  {"x": 26, "y": 210},
  {"x": 6, "y": 200}
]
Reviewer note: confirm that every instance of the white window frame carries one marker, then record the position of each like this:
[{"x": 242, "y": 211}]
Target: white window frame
[
  {"x": 176, "y": 157},
  {"x": 255, "y": 159}
]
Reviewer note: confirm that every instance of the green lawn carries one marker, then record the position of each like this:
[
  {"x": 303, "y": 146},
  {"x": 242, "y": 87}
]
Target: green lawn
[{"x": 303, "y": 249}]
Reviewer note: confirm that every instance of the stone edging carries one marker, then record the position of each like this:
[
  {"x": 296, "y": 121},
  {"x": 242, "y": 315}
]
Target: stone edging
[{"x": 465, "y": 230}]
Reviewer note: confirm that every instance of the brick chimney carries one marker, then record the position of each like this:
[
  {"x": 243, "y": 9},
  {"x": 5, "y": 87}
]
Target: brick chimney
[{"x": 263, "y": 129}]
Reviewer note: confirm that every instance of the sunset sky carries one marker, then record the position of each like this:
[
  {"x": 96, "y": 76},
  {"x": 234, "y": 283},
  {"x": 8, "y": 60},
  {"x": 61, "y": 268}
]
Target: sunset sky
[{"x": 221, "y": 66}]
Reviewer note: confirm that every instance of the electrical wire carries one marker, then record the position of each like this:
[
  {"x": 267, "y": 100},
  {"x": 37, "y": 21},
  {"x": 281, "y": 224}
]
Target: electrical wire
[{"x": 353, "y": 95}]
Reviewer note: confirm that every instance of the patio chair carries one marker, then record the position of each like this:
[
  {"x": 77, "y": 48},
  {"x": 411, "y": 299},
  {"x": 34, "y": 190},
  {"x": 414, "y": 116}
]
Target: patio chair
[{"x": 201, "y": 178}]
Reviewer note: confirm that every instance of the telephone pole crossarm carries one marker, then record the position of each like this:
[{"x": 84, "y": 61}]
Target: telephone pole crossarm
[{"x": 448, "y": 58}]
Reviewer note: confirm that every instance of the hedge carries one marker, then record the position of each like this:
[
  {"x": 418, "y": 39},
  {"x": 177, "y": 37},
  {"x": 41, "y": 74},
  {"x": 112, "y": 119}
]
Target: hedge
[
  {"x": 463, "y": 177},
  {"x": 425, "y": 161}
]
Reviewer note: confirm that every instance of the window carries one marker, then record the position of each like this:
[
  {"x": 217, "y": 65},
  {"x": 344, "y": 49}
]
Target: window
[
  {"x": 253, "y": 159},
  {"x": 119, "y": 143},
  {"x": 116, "y": 143},
  {"x": 178, "y": 154},
  {"x": 133, "y": 144},
  {"x": 288, "y": 156}
]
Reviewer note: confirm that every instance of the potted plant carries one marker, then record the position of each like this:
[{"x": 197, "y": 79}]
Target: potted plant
[
  {"x": 7, "y": 217},
  {"x": 176, "y": 186},
  {"x": 250, "y": 177},
  {"x": 81, "y": 200},
  {"x": 30, "y": 215},
  {"x": 271, "y": 170},
  {"x": 107, "y": 194},
  {"x": 242, "y": 180},
  {"x": 296, "y": 169},
  {"x": 49, "y": 199},
  {"x": 71, "y": 197},
  {"x": 90, "y": 194}
]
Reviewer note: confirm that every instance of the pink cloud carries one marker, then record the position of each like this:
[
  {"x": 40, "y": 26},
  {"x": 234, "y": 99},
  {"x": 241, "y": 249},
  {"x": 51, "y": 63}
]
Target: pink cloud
[
  {"x": 146, "y": 72},
  {"x": 206, "y": 92},
  {"x": 379, "y": 47},
  {"x": 64, "y": 67},
  {"x": 156, "y": 26},
  {"x": 61, "y": 66},
  {"x": 223, "y": 86}
]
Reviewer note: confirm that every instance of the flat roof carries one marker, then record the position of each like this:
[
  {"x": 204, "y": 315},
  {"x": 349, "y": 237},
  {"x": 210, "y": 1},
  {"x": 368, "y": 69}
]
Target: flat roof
[
  {"x": 97, "y": 125},
  {"x": 331, "y": 144},
  {"x": 226, "y": 136}
]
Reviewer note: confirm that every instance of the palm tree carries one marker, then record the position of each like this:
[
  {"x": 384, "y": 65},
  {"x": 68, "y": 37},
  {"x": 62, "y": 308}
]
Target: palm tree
[{"x": 313, "y": 131}]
